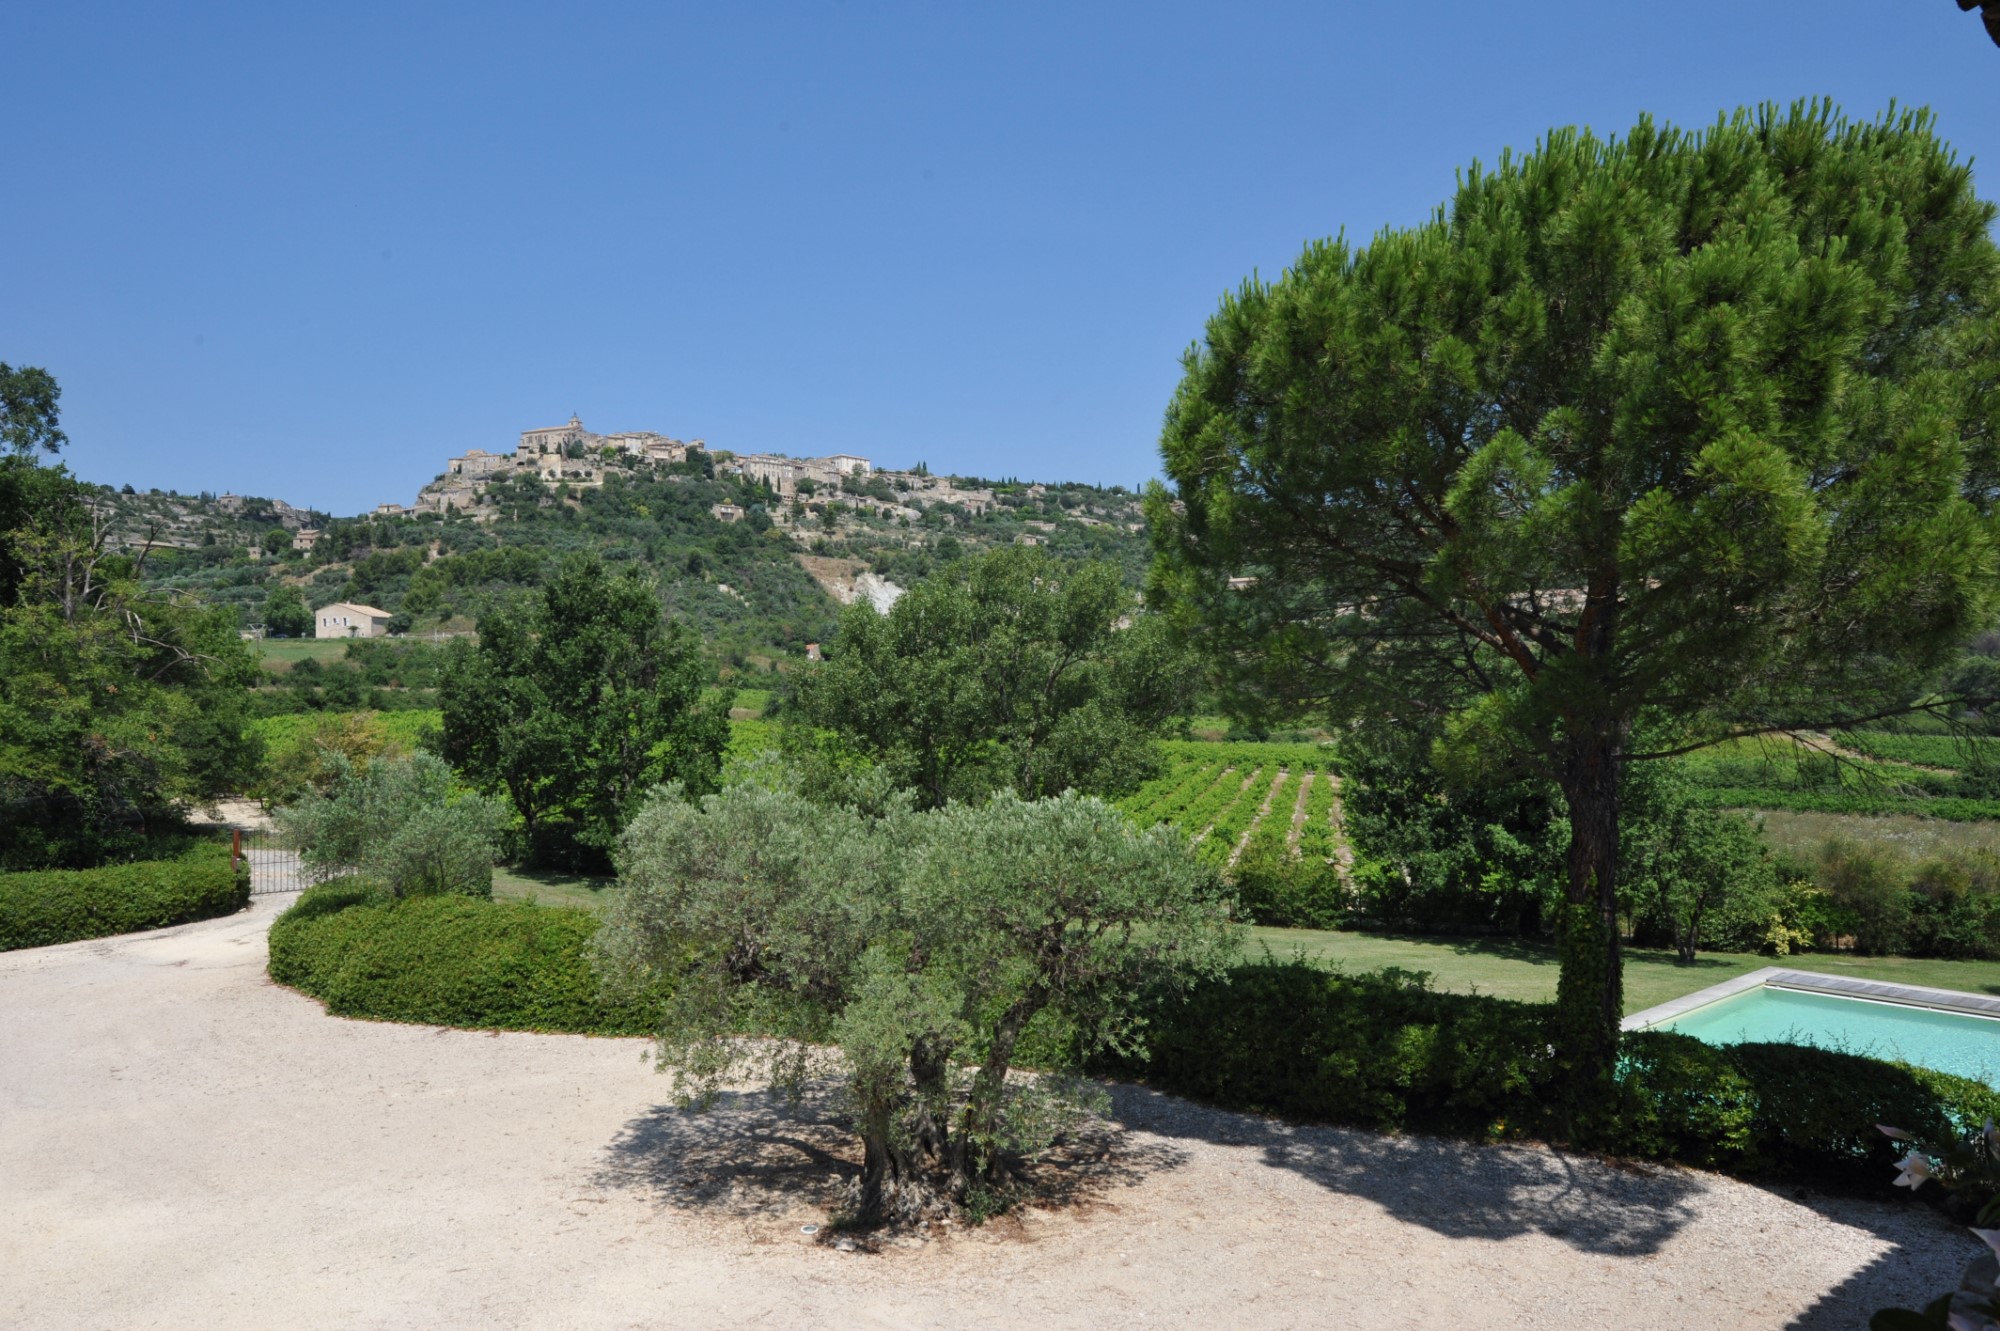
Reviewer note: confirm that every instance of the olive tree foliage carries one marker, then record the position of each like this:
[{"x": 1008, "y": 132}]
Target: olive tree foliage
[
  {"x": 907, "y": 956},
  {"x": 401, "y": 823},
  {"x": 1694, "y": 431},
  {"x": 1010, "y": 671}
]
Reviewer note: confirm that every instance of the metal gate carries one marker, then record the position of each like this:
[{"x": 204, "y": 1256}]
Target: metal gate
[{"x": 275, "y": 866}]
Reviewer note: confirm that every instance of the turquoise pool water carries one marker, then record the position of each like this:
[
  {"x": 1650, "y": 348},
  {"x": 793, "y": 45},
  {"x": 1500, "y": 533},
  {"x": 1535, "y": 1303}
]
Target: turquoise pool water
[{"x": 1947, "y": 1041}]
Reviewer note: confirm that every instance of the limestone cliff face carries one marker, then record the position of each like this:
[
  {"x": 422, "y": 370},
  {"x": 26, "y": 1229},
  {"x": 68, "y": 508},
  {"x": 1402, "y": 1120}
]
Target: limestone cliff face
[{"x": 850, "y": 580}]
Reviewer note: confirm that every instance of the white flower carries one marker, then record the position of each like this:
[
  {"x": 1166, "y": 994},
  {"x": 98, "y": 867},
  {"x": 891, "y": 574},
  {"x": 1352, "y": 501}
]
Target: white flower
[
  {"x": 1915, "y": 1170},
  {"x": 1898, "y": 1135}
]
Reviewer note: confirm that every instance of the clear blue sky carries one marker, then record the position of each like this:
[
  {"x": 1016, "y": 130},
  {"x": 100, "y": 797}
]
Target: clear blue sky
[{"x": 308, "y": 251}]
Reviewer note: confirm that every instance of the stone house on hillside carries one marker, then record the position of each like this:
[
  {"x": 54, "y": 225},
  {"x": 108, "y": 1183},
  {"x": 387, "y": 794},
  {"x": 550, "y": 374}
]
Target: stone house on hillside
[
  {"x": 345, "y": 619},
  {"x": 479, "y": 462}
]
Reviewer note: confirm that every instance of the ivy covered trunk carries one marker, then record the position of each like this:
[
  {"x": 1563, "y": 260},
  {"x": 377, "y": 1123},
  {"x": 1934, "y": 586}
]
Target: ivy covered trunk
[{"x": 1590, "y": 996}]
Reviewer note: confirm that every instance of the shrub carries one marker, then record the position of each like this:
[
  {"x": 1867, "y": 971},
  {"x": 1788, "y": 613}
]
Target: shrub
[
  {"x": 1868, "y": 895},
  {"x": 1291, "y": 892},
  {"x": 304, "y": 759},
  {"x": 450, "y": 960},
  {"x": 1384, "y": 1051},
  {"x": 1375, "y": 1051},
  {"x": 1681, "y": 1099},
  {"x": 1817, "y": 1110},
  {"x": 400, "y": 823},
  {"x": 63, "y": 905}
]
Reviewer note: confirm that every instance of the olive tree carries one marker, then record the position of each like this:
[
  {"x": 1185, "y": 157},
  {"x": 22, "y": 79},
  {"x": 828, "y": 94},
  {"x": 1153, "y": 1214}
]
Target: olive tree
[
  {"x": 400, "y": 822},
  {"x": 907, "y": 956},
  {"x": 1687, "y": 434}
]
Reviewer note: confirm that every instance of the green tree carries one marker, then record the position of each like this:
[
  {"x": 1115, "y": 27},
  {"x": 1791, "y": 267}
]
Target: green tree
[
  {"x": 1010, "y": 671},
  {"x": 276, "y": 541},
  {"x": 29, "y": 411},
  {"x": 923, "y": 948},
  {"x": 1696, "y": 429},
  {"x": 120, "y": 708},
  {"x": 579, "y": 698},
  {"x": 285, "y": 613},
  {"x": 29, "y": 426},
  {"x": 1687, "y": 869}
]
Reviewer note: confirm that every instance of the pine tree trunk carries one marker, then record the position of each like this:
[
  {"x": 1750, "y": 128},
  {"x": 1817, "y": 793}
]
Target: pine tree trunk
[{"x": 1590, "y": 990}]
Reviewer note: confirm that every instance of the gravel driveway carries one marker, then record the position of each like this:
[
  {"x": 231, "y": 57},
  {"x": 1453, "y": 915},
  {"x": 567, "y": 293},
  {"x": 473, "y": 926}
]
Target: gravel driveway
[{"x": 184, "y": 1144}]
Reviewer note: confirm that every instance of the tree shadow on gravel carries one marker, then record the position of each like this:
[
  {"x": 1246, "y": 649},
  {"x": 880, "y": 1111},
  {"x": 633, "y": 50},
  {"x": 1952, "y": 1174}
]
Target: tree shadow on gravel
[
  {"x": 1453, "y": 1188},
  {"x": 1464, "y": 1190},
  {"x": 758, "y": 1154}
]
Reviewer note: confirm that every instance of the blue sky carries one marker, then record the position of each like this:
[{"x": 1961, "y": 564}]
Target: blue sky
[{"x": 308, "y": 251}]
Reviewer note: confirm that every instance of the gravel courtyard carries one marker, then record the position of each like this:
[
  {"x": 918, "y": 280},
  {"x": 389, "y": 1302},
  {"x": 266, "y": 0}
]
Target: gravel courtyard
[{"x": 184, "y": 1144}]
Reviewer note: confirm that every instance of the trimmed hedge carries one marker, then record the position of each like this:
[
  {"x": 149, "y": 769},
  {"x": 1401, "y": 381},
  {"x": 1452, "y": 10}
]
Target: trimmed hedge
[
  {"x": 1378, "y": 1050},
  {"x": 1385, "y": 1051},
  {"x": 448, "y": 960},
  {"x": 47, "y": 906}
]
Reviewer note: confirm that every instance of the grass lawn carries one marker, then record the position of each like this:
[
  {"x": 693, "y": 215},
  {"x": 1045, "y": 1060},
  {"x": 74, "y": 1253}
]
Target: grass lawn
[
  {"x": 284, "y": 653},
  {"x": 549, "y": 888},
  {"x": 1517, "y": 968},
  {"x": 1915, "y": 838}
]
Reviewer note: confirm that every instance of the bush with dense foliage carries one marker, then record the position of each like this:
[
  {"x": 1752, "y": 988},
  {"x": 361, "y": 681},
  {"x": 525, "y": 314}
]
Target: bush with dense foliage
[
  {"x": 305, "y": 757},
  {"x": 401, "y": 823},
  {"x": 1873, "y": 900},
  {"x": 1385, "y": 1051},
  {"x": 61, "y": 905},
  {"x": 1434, "y": 855},
  {"x": 450, "y": 961}
]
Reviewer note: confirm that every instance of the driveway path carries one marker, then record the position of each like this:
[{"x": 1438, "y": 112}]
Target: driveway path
[{"x": 184, "y": 1144}]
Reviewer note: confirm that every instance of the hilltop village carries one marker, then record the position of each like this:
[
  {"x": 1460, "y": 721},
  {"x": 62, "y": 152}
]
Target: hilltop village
[
  {"x": 758, "y": 549},
  {"x": 570, "y": 455}
]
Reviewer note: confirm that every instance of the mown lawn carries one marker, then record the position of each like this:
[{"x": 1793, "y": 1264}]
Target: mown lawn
[
  {"x": 282, "y": 654},
  {"x": 1503, "y": 967},
  {"x": 550, "y": 888},
  {"x": 1515, "y": 968}
]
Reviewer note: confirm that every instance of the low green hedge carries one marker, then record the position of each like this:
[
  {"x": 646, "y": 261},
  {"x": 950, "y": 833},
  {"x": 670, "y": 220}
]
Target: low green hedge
[
  {"x": 448, "y": 960},
  {"x": 1385, "y": 1051},
  {"x": 47, "y": 906}
]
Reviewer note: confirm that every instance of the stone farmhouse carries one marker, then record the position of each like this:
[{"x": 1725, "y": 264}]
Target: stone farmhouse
[{"x": 345, "y": 619}]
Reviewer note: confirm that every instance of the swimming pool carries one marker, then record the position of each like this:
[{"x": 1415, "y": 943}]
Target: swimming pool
[
  {"x": 1948, "y": 1041},
  {"x": 1933, "y": 1028}
]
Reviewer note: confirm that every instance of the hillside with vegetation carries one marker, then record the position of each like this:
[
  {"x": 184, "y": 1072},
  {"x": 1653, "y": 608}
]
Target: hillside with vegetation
[{"x": 758, "y": 586}]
